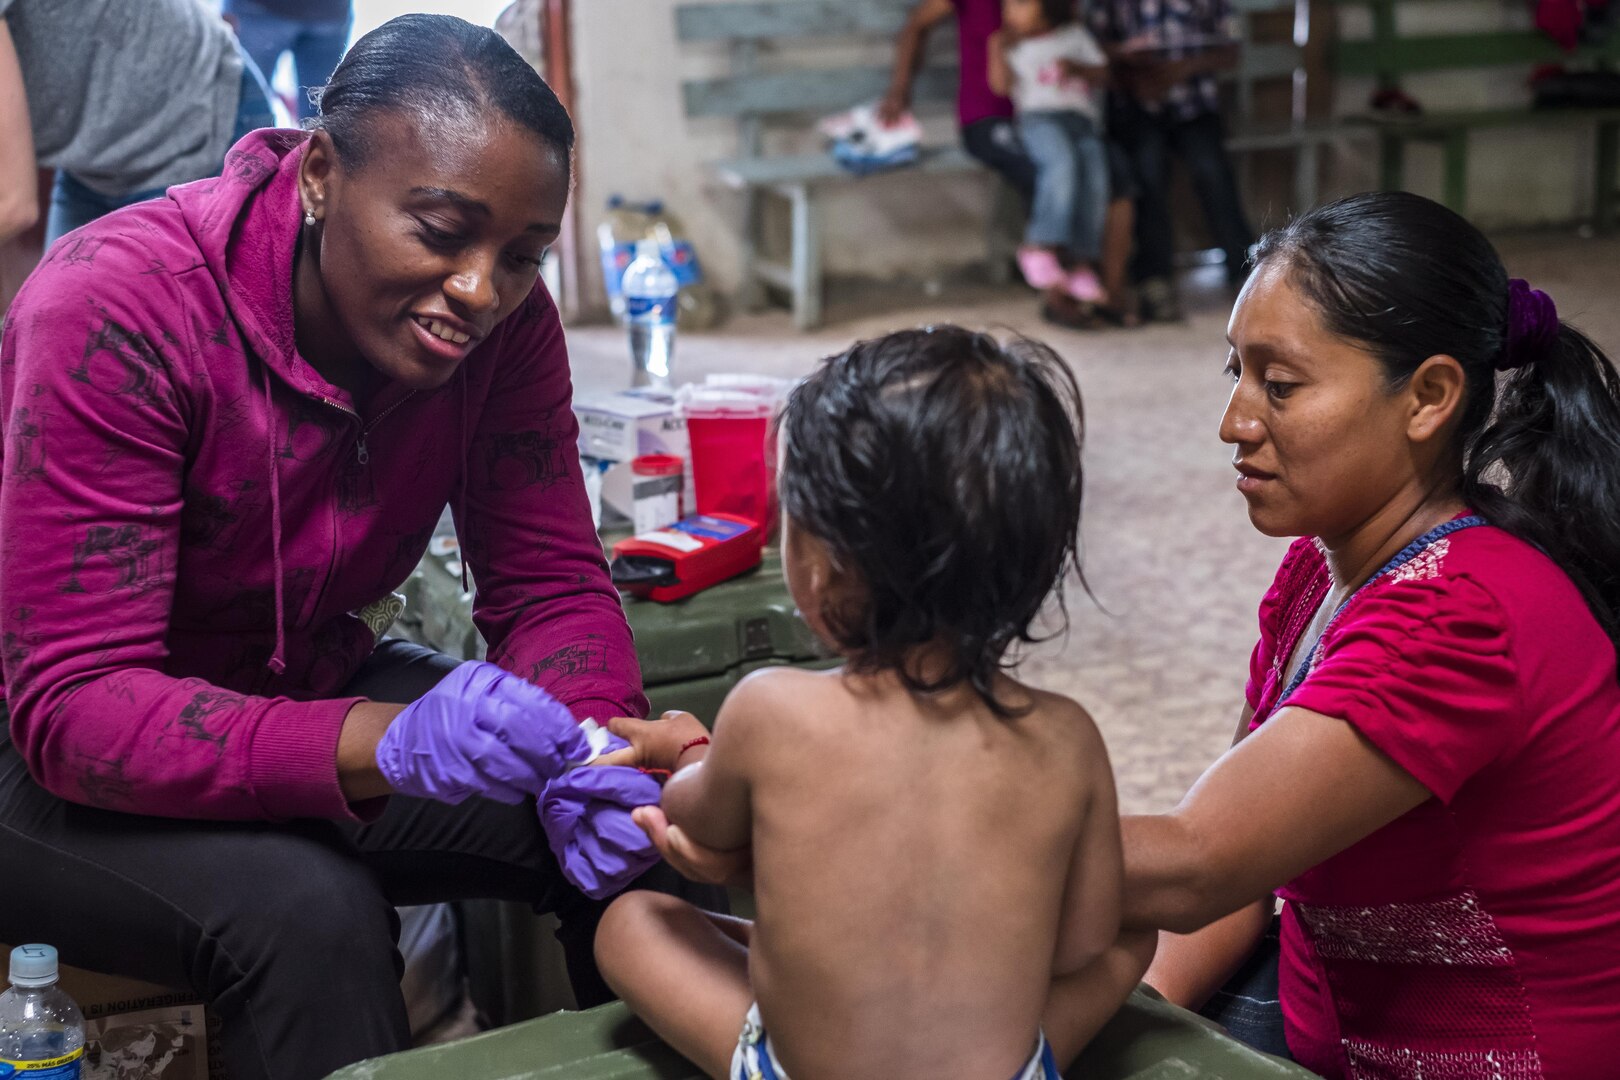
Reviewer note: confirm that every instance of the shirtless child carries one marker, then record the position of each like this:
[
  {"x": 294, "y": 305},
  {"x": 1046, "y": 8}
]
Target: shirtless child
[{"x": 936, "y": 848}]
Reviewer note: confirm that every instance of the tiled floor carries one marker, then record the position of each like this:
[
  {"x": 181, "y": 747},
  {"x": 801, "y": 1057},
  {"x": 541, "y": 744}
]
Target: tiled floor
[{"x": 1169, "y": 551}]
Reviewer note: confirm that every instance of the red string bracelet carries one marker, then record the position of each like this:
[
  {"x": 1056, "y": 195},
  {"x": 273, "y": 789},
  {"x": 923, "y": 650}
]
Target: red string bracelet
[{"x": 701, "y": 740}]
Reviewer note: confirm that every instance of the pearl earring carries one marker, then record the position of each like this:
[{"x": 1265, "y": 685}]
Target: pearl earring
[{"x": 309, "y": 218}]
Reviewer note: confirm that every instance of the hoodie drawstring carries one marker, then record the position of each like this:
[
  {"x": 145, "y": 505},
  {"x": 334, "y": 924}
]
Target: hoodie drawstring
[
  {"x": 461, "y": 489},
  {"x": 278, "y": 661}
]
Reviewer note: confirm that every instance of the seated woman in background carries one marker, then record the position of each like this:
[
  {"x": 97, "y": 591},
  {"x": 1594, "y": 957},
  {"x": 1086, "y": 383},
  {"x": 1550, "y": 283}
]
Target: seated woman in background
[{"x": 1428, "y": 761}]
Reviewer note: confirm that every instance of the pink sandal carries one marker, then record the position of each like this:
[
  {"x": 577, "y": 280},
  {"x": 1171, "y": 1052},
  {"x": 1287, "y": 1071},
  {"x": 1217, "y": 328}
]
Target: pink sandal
[{"x": 1040, "y": 267}]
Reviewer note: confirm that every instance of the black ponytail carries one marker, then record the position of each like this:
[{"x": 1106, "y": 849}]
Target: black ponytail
[
  {"x": 1547, "y": 466},
  {"x": 442, "y": 69},
  {"x": 1540, "y": 445}
]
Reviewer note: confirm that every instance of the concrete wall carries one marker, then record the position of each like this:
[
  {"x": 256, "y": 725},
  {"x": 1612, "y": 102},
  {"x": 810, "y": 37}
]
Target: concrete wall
[{"x": 637, "y": 142}]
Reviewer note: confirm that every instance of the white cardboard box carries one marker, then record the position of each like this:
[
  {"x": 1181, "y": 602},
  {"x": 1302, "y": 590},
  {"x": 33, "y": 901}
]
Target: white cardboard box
[{"x": 624, "y": 424}]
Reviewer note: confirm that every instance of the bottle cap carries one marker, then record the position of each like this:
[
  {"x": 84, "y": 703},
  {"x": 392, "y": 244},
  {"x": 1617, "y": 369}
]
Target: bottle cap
[
  {"x": 33, "y": 965},
  {"x": 648, "y": 249}
]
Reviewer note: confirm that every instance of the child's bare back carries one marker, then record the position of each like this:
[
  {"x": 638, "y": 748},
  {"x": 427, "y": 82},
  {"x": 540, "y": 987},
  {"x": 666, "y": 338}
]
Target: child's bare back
[{"x": 919, "y": 865}]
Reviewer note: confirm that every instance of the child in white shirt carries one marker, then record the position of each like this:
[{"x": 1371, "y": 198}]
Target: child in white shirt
[{"x": 1054, "y": 71}]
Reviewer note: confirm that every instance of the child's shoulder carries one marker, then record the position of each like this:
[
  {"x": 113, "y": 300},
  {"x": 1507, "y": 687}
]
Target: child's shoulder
[
  {"x": 1064, "y": 721},
  {"x": 777, "y": 695}
]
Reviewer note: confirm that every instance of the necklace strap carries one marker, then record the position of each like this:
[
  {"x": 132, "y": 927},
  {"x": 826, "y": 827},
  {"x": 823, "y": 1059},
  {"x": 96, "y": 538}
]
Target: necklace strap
[{"x": 1401, "y": 558}]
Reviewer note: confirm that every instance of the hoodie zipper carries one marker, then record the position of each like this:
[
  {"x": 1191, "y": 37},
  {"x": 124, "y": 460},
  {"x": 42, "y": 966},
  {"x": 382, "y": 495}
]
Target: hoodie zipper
[{"x": 361, "y": 453}]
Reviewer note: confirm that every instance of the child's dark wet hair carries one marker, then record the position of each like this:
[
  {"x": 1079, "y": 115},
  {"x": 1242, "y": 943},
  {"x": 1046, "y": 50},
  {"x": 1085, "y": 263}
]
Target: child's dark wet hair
[{"x": 942, "y": 469}]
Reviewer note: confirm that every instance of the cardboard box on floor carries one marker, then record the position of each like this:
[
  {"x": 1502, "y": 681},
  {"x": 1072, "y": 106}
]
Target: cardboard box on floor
[{"x": 141, "y": 1031}]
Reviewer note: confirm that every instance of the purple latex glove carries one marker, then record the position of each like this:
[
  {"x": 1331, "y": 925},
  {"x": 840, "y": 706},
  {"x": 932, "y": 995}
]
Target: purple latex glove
[
  {"x": 586, "y": 815},
  {"x": 481, "y": 731}
]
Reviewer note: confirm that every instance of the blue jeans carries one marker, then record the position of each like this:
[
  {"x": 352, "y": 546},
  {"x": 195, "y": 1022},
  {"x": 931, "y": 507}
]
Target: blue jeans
[
  {"x": 316, "y": 47},
  {"x": 1071, "y": 182},
  {"x": 73, "y": 204},
  {"x": 1249, "y": 1006}
]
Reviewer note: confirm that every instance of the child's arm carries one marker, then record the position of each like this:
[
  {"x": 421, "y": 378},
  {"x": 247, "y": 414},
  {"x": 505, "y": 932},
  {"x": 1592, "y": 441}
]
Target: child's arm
[
  {"x": 1095, "y": 75},
  {"x": 1086, "y": 60},
  {"x": 1094, "y": 894},
  {"x": 999, "y": 74},
  {"x": 707, "y": 798}
]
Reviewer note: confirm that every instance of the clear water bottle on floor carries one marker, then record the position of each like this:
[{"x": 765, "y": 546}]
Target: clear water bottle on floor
[
  {"x": 41, "y": 1029},
  {"x": 625, "y": 225},
  {"x": 650, "y": 303}
]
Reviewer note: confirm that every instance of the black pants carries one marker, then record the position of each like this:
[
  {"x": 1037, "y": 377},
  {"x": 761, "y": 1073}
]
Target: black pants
[
  {"x": 994, "y": 142},
  {"x": 286, "y": 930},
  {"x": 1150, "y": 139}
]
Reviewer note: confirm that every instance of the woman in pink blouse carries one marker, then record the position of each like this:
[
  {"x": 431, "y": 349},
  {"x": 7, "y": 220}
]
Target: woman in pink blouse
[{"x": 1427, "y": 768}]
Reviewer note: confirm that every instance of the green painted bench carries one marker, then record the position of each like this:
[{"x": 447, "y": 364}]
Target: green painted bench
[
  {"x": 1149, "y": 1040},
  {"x": 779, "y": 79},
  {"x": 1388, "y": 55}
]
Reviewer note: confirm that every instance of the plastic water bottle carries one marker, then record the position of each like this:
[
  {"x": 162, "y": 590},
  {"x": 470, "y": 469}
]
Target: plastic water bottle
[
  {"x": 650, "y": 296},
  {"x": 41, "y": 1029},
  {"x": 699, "y": 304},
  {"x": 625, "y": 225}
]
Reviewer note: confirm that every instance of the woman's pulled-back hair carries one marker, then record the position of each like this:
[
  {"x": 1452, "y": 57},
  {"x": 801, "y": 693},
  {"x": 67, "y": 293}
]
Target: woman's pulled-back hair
[
  {"x": 1540, "y": 445},
  {"x": 445, "y": 71},
  {"x": 942, "y": 470}
]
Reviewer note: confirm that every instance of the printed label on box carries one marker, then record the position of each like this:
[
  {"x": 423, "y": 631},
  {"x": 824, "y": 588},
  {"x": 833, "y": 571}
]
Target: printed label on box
[
  {"x": 711, "y": 528},
  {"x": 155, "y": 1044},
  {"x": 675, "y": 541}
]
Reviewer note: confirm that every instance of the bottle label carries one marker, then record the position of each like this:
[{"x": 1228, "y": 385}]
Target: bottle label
[
  {"x": 681, "y": 258},
  {"x": 654, "y": 310},
  {"x": 615, "y": 260},
  {"x": 65, "y": 1067}
]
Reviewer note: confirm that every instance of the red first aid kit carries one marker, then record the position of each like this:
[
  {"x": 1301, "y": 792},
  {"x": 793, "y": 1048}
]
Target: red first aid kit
[{"x": 688, "y": 556}]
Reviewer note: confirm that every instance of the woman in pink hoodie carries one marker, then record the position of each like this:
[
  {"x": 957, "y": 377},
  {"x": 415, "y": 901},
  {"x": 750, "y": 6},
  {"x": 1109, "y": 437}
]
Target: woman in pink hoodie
[{"x": 232, "y": 418}]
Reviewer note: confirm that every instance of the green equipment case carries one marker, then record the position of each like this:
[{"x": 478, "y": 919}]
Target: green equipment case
[
  {"x": 692, "y": 651},
  {"x": 1149, "y": 1039}
]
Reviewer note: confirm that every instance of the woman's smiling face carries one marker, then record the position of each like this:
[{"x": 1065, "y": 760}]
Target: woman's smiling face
[
  {"x": 1321, "y": 442},
  {"x": 435, "y": 239}
]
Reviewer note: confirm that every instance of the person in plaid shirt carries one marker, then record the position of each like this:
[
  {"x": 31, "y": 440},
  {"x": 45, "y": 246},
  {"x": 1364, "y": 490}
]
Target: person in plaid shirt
[{"x": 1165, "y": 55}]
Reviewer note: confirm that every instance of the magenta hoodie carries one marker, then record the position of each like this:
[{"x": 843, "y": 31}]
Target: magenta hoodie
[{"x": 190, "y": 514}]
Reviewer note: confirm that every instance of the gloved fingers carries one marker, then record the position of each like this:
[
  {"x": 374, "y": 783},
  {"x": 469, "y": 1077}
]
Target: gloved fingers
[{"x": 550, "y": 740}]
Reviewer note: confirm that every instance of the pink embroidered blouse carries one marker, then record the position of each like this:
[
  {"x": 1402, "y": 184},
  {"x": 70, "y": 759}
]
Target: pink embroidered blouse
[{"x": 1479, "y": 935}]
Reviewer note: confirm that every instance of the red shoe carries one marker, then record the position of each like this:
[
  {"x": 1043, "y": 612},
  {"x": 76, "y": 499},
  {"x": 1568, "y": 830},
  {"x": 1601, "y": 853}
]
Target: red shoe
[{"x": 1396, "y": 102}]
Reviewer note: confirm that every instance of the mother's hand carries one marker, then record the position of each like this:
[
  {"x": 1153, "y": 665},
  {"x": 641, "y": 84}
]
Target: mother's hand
[
  {"x": 480, "y": 731},
  {"x": 691, "y": 859}
]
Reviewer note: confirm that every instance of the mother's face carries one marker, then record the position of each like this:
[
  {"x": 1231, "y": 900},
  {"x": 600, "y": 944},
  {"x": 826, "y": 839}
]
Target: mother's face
[
  {"x": 435, "y": 239},
  {"x": 1321, "y": 442}
]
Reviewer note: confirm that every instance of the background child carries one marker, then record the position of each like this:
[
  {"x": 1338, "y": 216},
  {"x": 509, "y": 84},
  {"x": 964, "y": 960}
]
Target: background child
[
  {"x": 935, "y": 846},
  {"x": 1054, "y": 71}
]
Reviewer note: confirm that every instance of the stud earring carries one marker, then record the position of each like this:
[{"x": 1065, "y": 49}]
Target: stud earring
[{"x": 309, "y": 218}]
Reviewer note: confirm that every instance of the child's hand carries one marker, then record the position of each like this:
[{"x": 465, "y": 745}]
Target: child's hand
[
  {"x": 654, "y": 744},
  {"x": 692, "y": 860}
]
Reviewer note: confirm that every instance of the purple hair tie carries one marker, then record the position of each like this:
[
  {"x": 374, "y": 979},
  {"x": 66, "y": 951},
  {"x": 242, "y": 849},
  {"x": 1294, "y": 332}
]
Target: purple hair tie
[{"x": 1532, "y": 325}]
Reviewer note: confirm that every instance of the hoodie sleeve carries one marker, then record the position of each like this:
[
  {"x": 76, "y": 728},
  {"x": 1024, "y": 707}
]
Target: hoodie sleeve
[
  {"x": 544, "y": 601},
  {"x": 97, "y": 381}
]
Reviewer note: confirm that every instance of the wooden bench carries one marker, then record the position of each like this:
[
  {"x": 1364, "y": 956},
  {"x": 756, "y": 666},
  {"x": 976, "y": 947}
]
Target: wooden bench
[
  {"x": 1148, "y": 1040},
  {"x": 1388, "y": 55},
  {"x": 760, "y": 93}
]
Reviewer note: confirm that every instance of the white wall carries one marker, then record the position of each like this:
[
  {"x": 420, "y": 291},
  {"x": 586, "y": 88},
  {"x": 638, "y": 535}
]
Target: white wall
[{"x": 637, "y": 141}]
